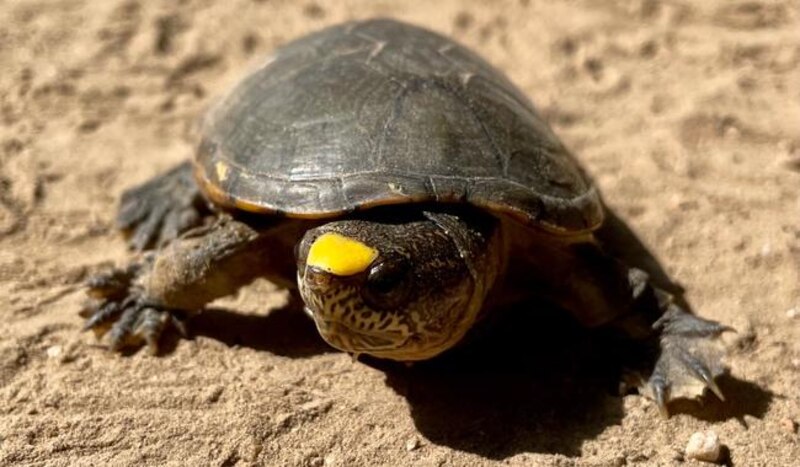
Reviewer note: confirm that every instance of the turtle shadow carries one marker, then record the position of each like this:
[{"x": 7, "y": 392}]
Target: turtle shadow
[
  {"x": 534, "y": 380},
  {"x": 742, "y": 398},
  {"x": 529, "y": 381},
  {"x": 285, "y": 331}
]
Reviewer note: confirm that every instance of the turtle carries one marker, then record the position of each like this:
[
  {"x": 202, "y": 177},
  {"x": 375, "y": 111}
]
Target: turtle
[{"x": 403, "y": 188}]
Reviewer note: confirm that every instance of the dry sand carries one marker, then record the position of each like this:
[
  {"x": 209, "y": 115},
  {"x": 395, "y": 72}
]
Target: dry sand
[{"x": 686, "y": 113}]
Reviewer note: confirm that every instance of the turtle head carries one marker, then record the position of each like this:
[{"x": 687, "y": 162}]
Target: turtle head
[{"x": 404, "y": 290}]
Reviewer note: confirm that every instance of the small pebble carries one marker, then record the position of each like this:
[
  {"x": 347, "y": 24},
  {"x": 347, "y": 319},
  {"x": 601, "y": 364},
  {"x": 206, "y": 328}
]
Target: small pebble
[
  {"x": 412, "y": 444},
  {"x": 789, "y": 425},
  {"x": 732, "y": 132},
  {"x": 792, "y": 313},
  {"x": 54, "y": 351},
  {"x": 213, "y": 394},
  {"x": 704, "y": 446}
]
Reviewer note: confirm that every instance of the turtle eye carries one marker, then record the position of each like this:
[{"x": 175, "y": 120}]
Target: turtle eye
[{"x": 387, "y": 285}]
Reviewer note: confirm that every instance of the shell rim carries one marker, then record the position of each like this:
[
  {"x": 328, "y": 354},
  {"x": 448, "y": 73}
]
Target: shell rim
[{"x": 226, "y": 200}]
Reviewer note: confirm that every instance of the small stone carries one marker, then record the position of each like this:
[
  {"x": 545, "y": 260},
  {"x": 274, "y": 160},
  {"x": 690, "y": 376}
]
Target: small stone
[
  {"x": 796, "y": 363},
  {"x": 314, "y": 11},
  {"x": 54, "y": 351},
  {"x": 464, "y": 20},
  {"x": 88, "y": 126},
  {"x": 66, "y": 353},
  {"x": 704, "y": 446},
  {"x": 732, "y": 132},
  {"x": 213, "y": 394},
  {"x": 788, "y": 425},
  {"x": 251, "y": 449},
  {"x": 412, "y": 444},
  {"x": 792, "y": 313}
]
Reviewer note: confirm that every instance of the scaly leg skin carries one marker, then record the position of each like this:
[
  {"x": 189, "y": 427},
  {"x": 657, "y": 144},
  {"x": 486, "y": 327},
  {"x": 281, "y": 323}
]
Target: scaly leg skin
[
  {"x": 690, "y": 358},
  {"x": 135, "y": 304},
  {"x": 158, "y": 211},
  {"x": 689, "y": 350},
  {"x": 117, "y": 307}
]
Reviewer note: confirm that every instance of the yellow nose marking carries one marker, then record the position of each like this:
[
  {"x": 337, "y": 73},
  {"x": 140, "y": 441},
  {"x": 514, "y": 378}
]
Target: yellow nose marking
[{"x": 340, "y": 255}]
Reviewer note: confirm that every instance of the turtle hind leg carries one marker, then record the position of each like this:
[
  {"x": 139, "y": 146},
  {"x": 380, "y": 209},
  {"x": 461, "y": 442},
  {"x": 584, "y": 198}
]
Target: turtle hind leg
[
  {"x": 685, "y": 350},
  {"x": 688, "y": 361},
  {"x": 156, "y": 212},
  {"x": 674, "y": 353}
]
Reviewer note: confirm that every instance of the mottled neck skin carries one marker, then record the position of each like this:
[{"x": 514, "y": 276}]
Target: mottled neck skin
[{"x": 424, "y": 289}]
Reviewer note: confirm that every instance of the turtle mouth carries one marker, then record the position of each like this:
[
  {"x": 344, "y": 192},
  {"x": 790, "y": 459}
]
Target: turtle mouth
[{"x": 349, "y": 339}]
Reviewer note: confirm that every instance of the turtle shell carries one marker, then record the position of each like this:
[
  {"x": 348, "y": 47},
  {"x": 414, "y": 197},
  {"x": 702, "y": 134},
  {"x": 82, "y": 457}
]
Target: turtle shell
[{"x": 380, "y": 112}]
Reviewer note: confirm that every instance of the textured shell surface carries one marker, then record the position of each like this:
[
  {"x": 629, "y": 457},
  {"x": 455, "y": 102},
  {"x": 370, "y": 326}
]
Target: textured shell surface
[{"x": 381, "y": 112}]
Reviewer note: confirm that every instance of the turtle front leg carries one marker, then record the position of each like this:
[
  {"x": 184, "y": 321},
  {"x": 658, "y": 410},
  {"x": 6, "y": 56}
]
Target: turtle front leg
[
  {"x": 117, "y": 306},
  {"x": 135, "y": 304},
  {"x": 158, "y": 211}
]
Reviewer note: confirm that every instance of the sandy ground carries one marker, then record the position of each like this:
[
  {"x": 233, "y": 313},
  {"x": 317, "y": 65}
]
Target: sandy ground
[{"x": 686, "y": 113}]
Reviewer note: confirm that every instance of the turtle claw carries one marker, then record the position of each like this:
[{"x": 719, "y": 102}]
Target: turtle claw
[
  {"x": 102, "y": 315},
  {"x": 110, "y": 284},
  {"x": 118, "y": 309},
  {"x": 660, "y": 399},
  {"x": 689, "y": 360},
  {"x": 712, "y": 385},
  {"x": 158, "y": 211},
  {"x": 179, "y": 325},
  {"x": 138, "y": 325}
]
